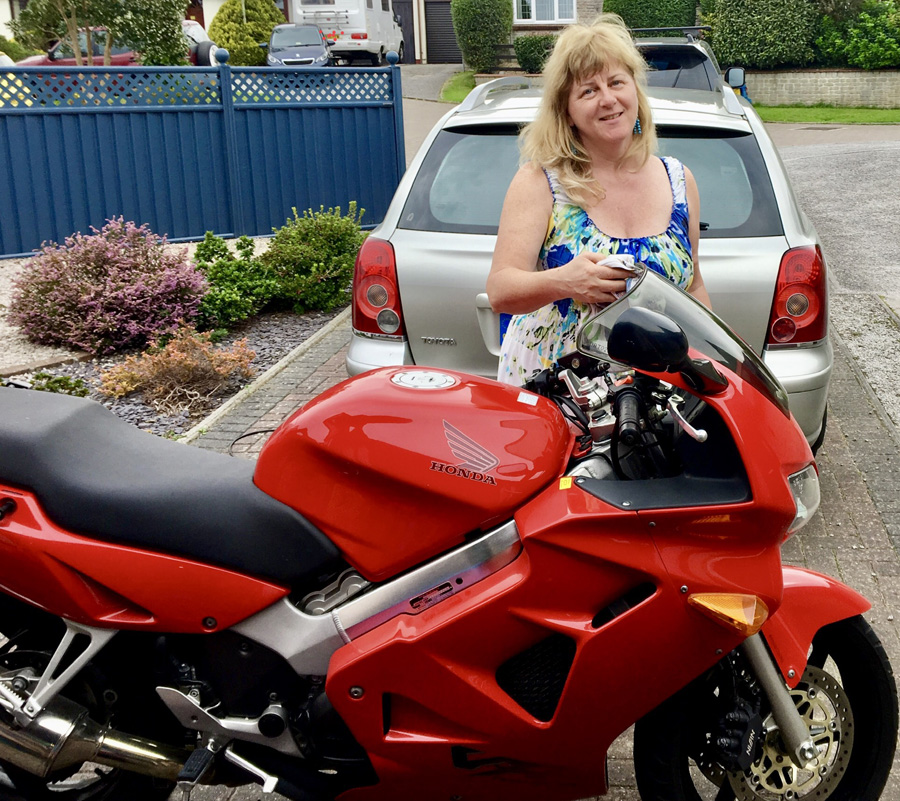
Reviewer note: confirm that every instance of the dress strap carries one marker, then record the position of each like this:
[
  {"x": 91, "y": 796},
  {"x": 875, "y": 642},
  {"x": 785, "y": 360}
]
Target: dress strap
[
  {"x": 675, "y": 170},
  {"x": 556, "y": 188}
]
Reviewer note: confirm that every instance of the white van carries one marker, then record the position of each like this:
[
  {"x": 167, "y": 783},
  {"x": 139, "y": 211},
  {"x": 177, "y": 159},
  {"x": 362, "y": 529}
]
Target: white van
[{"x": 357, "y": 27}]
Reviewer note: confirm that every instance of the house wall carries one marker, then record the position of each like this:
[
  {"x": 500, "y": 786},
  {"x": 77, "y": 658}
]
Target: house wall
[{"x": 5, "y": 17}]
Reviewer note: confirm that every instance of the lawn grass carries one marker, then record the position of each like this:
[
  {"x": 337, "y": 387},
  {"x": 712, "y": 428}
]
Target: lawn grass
[
  {"x": 456, "y": 89},
  {"x": 823, "y": 115}
]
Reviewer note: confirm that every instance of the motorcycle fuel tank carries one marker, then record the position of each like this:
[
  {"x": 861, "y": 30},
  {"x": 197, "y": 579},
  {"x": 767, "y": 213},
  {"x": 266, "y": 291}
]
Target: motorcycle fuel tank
[{"x": 401, "y": 463}]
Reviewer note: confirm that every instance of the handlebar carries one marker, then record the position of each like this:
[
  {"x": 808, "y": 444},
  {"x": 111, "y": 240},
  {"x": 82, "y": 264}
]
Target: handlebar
[{"x": 628, "y": 416}]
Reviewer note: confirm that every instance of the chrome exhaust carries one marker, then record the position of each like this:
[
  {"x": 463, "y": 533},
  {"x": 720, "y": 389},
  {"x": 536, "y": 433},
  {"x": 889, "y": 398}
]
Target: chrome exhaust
[{"x": 63, "y": 735}]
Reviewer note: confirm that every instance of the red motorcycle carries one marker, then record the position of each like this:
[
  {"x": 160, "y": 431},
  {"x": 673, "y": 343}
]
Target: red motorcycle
[{"x": 436, "y": 586}]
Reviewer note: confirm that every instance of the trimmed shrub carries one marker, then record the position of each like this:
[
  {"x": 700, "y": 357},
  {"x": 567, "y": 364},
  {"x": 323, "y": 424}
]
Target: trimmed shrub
[
  {"x": 239, "y": 285},
  {"x": 313, "y": 257},
  {"x": 15, "y": 50},
  {"x": 181, "y": 374},
  {"x": 115, "y": 289},
  {"x": 242, "y": 38},
  {"x": 761, "y": 34},
  {"x": 480, "y": 26},
  {"x": 654, "y": 13},
  {"x": 532, "y": 51}
]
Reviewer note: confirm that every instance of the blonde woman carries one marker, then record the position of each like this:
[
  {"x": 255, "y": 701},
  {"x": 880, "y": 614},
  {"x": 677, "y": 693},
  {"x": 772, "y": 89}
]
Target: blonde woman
[{"x": 589, "y": 188}]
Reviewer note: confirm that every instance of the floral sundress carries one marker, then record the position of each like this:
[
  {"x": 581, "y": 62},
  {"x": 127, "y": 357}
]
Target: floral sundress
[{"x": 534, "y": 341}]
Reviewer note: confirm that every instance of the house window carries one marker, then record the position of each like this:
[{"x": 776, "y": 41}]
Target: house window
[
  {"x": 385, "y": 5},
  {"x": 544, "y": 10}
]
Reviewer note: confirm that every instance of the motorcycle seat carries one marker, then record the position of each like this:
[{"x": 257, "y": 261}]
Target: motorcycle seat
[{"x": 98, "y": 476}]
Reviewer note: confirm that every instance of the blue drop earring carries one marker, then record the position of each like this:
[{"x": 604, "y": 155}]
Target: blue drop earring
[{"x": 637, "y": 127}]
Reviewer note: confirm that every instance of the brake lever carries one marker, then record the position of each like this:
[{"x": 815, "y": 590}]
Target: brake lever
[{"x": 698, "y": 434}]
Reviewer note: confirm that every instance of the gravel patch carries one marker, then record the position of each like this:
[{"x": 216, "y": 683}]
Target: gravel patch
[{"x": 15, "y": 350}]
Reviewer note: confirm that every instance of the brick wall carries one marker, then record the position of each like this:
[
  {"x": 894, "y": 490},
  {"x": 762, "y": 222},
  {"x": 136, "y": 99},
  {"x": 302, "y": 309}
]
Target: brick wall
[{"x": 836, "y": 87}]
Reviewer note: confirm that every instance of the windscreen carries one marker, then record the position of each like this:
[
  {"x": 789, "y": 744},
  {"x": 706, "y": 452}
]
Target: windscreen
[
  {"x": 707, "y": 335},
  {"x": 296, "y": 37}
]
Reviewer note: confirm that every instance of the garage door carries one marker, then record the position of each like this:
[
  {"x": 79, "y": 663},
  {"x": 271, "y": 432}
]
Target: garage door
[{"x": 440, "y": 37}]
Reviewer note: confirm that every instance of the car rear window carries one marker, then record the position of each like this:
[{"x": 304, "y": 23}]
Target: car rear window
[
  {"x": 736, "y": 196},
  {"x": 462, "y": 182},
  {"x": 677, "y": 67}
]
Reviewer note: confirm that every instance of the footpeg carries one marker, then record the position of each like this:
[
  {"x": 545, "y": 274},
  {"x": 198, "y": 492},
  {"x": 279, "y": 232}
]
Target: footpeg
[{"x": 196, "y": 767}]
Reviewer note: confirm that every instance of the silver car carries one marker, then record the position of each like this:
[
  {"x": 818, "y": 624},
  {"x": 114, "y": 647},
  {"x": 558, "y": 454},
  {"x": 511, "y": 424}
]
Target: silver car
[{"x": 418, "y": 295}]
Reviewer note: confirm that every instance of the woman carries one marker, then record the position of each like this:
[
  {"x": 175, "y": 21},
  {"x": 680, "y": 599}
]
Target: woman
[{"x": 589, "y": 197}]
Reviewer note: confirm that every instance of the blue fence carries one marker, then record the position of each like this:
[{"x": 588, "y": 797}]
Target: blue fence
[{"x": 222, "y": 149}]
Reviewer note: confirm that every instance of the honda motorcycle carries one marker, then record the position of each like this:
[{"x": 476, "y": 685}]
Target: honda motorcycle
[{"x": 435, "y": 586}]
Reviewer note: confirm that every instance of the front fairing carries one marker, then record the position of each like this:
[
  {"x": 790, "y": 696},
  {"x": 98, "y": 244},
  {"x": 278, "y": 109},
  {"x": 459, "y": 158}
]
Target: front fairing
[{"x": 708, "y": 337}]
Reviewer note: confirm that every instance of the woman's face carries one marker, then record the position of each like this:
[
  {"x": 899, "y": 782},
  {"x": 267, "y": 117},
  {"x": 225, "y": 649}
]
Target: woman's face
[{"x": 604, "y": 106}]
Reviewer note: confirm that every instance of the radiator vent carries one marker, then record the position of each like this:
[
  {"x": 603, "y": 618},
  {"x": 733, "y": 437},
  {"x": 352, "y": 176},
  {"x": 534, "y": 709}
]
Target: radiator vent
[{"x": 535, "y": 678}]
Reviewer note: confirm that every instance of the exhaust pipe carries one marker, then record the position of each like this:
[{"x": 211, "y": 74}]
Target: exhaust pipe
[{"x": 63, "y": 735}]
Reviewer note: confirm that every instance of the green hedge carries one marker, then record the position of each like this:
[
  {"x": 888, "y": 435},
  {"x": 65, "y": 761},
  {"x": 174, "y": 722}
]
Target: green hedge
[
  {"x": 869, "y": 41},
  {"x": 14, "y": 50},
  {"x": 480, "y": 26},
  {"x": 762, "y": 34},
  {"x": 532, "y": 51},
  {"x": 654, "y": 13}
]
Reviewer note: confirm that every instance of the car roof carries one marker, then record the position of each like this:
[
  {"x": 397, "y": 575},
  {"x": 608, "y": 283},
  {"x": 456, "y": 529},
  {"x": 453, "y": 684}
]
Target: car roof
[
  {"x": 287, "y": 25},
  {"x": 515, "y": 101}
]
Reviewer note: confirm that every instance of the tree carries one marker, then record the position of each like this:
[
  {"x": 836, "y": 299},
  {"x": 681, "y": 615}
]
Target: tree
[
  {"x": 240, "y": 25},
  {"x": 150, "y": 27},
  {"x": 481, "y": 25}
]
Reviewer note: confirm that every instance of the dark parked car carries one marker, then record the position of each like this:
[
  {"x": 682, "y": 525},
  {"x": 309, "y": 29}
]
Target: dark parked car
[
  {"x": 298, "y": 46},
  {"x": 200, "y": 50}
]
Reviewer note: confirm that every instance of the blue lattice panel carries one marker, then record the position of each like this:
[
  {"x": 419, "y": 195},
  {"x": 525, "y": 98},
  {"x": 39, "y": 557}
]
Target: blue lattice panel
[
  {"x": 82, "y": 88},
  {"x": 337, "y": 86}
]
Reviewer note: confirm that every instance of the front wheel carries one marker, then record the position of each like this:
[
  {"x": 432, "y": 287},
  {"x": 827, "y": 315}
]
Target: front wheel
[{"x": 847, "y": 697}]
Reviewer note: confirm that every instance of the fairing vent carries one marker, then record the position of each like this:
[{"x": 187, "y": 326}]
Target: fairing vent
[
  {"x": 620, "y": 606},
  {"x": 535, "y": 678}
]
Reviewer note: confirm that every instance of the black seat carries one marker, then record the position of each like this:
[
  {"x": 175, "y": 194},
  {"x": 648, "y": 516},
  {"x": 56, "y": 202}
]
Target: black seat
[{"x": 98, "y": 476}]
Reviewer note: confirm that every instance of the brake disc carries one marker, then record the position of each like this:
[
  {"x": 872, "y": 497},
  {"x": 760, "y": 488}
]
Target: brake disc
[{"x": 825, "y": 709}]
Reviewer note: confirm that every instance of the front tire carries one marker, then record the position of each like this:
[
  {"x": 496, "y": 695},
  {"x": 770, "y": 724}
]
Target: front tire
[{"x": 847, "y": 693}]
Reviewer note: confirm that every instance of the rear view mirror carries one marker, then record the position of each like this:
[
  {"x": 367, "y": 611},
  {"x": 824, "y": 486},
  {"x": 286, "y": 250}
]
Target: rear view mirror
[
  {"x": 735, "y": 77},
  {"x": 648, "y": 341}
]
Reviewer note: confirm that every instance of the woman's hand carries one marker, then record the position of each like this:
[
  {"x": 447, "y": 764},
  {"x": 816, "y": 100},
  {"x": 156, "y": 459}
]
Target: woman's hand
[{"x": 586, "y": 280}]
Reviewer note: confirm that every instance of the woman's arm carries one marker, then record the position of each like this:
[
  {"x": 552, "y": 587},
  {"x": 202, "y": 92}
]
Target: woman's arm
[
  {"x": 515, "y": 285},
  {"x": 697, "y": 287}
]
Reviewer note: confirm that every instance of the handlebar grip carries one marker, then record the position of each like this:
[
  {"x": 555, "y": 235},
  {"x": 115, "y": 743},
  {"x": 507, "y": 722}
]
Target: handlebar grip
[{"x": 628, "y": 416}]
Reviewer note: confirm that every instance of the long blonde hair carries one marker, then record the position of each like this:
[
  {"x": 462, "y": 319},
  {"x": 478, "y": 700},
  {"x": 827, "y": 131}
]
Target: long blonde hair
[{"x": 580, "y": 52}]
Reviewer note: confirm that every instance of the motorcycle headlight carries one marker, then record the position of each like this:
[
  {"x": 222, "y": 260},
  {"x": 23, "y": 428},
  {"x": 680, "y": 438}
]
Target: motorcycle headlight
[{"x": 805, "y": 489}]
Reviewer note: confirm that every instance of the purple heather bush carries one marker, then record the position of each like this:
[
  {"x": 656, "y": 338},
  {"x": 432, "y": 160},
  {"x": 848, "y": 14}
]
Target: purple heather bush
[{"x": 115, "y": 289}]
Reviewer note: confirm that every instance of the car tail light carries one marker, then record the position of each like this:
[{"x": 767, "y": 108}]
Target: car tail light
[
  {"x": 376, "y": 299},
  {"x": 800, "y": 308},
  {"x": 359, "y": 36}
]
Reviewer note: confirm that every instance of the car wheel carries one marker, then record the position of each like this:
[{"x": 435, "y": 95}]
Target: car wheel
[
  {"x": 400, "y": 53},
  {"x": 377, "y": 59},
  {"x": 206, "y": 54}
]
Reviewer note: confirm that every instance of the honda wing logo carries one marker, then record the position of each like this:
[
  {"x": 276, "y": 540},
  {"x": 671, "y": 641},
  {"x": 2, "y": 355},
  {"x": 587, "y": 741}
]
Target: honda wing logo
[{"x": 477, "y": 461}]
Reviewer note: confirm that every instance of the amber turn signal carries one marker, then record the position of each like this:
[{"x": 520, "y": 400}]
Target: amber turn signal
[{"x": 746, "y": 613}]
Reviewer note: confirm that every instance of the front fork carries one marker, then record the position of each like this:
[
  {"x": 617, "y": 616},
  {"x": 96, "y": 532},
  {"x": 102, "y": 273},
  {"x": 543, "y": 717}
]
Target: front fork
[
  {"x": 794, "y": 732},
  {"x": 810, "y": 601}
]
